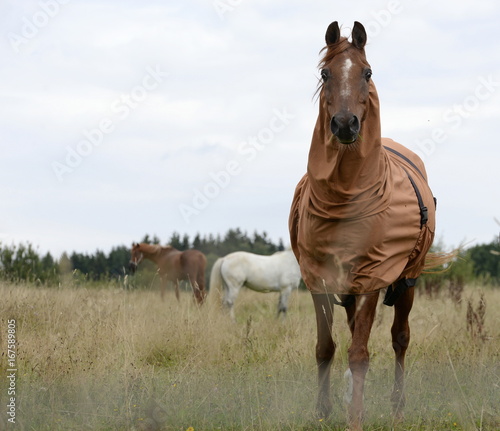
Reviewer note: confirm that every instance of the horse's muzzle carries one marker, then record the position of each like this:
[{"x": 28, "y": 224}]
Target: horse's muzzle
[
  {"x": 132, "y": 267},
  {"x": 345, "y": 126}
]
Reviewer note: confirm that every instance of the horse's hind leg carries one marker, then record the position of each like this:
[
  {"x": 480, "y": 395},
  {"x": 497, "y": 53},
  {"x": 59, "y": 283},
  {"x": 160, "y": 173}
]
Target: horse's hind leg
[
  {"x": 283, "y": 300},
  {"x": 200, "y": 292},
  {"x": 400, "y": 332},
  {"x": 198, "y": 288},
  {"x": 229, "y": 296},
  {"x": 325, "y": 350},
  {"x": 361, "y": 315}
]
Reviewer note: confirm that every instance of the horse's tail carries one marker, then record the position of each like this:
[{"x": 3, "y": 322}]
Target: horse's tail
[
  {"x": 216, "y": 280},
  {"x": 439, "y": 261}
]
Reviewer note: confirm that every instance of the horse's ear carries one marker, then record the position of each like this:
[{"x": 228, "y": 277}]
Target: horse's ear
[
  {"x": 358, "y": 35},
  {"x": 332, "y": 33}
]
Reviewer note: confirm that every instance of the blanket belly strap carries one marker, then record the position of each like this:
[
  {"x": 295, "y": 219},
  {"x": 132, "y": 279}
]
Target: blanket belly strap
[
  {"x": 406, "y": 159},
  {"x": 424, "y": 212},
  {"x": 342, "y": 300}
]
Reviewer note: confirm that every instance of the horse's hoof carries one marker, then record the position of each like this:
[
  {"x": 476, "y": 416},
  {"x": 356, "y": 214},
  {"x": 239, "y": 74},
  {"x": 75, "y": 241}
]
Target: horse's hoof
[
  {"x": 355, "y": 420},
  {"x": 398, "y": 416},
  {"x": 323, "y": 411},
  {"x": 348, "y": 387},
  {"x": 398, "y": 404}
]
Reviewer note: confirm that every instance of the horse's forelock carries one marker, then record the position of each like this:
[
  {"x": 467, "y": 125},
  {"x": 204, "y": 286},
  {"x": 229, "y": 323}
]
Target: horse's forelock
[
  {"x": 334, "y": 49},
  {"x": 331, "y": 51}
]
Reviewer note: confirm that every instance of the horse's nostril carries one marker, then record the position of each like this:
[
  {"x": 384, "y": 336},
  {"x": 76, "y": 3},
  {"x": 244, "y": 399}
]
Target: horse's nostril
[
  {"x": 132, "y": 266},
  {"x": 354, "y": 124},
  {"x": 345, "y": 126},
  {"x": 335, "y": 125}
]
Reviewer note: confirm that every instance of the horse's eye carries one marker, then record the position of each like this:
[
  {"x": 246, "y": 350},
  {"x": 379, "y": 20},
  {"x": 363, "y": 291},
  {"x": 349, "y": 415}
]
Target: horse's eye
[
  {"x": 325, "y": 74},
  {"x": 368, "y": 74}
]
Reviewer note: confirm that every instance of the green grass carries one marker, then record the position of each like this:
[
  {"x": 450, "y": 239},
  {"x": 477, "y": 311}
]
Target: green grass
[{"x": 106, "y": 359}]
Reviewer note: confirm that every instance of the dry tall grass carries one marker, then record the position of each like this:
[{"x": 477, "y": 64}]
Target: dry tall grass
[{"x": 108, "y": 359}]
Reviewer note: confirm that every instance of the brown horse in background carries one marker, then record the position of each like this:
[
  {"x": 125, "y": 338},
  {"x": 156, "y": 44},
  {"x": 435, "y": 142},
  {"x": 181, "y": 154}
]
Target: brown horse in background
[
  {"x": 362, "y": 219},
  {"x": 174, "y": 265}
]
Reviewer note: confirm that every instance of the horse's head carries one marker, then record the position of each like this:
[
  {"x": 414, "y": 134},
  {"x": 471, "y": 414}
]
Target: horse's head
[
  {"x": 136, "y": 257},
  {"x": 346, "y": 81}
]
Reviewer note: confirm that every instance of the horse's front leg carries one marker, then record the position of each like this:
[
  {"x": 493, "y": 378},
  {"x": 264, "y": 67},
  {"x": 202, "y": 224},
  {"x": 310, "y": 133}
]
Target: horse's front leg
[
  {"x": 163, "y": 287},
  {"x": 360, "y": 316},
  {"x": 400, "y": 332},
  {"x": 325, "y": 350}
]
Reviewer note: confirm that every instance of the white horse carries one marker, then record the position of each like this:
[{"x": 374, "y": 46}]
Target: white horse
[{"x": 279, "y": 272}]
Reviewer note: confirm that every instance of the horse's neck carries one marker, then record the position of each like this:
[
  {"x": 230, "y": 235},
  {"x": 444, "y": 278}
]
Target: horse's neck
[
  {"x": 351, "y": 168},
  {"x": 342, "y": 165},
  {"x": 151, "y": 252},
  {"x": 348, "y": 181},
  {"x": 166, "y": 253}
]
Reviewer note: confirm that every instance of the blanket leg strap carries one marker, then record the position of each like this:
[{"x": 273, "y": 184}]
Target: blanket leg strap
[{"x": 395, "y": 290}]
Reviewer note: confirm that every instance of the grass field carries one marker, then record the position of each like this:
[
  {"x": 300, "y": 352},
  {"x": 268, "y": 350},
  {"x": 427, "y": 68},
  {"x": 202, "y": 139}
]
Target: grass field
[{"x": 108, "y": 359}]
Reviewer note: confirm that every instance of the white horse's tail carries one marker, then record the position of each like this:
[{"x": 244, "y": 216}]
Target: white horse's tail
[{"x": 216, "y": 280}]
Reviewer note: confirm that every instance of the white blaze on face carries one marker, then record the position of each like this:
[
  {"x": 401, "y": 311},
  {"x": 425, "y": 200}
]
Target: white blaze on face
[{"x": 345, "y": 87}]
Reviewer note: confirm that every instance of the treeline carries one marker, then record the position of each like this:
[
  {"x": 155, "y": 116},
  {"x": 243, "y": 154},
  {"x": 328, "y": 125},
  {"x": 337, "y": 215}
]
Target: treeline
[{"x": 23, "y": 262}]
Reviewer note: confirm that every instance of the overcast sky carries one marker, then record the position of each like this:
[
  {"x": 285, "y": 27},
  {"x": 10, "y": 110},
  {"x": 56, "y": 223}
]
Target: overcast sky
[{"x": 121, "y": 118}]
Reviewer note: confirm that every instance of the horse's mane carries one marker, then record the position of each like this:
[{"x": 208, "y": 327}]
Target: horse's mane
[
  {"x": 155, "y": 247},
  {"x": 151, "y": 248}
]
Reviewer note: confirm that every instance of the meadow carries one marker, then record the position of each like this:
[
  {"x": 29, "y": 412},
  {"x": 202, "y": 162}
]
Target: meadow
[{"x": 104, "y": 358}]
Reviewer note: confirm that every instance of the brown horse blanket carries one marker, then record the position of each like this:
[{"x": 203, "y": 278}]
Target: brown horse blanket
[{"x": 354, "y": 236}]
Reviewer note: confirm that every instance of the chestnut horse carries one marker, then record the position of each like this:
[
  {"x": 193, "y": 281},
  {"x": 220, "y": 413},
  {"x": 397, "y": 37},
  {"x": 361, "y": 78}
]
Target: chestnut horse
[
  {"x": 174, "y": 265},
  {"x": 362, "y": 219}
]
